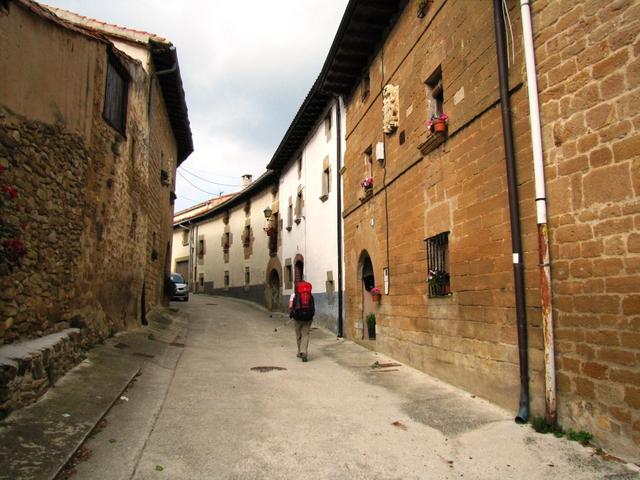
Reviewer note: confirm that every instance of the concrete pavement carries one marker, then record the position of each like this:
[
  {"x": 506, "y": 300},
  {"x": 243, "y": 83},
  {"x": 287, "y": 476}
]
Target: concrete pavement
[
  {"x": 202, "y": 408},
  {"x": 334, "y": 417}
]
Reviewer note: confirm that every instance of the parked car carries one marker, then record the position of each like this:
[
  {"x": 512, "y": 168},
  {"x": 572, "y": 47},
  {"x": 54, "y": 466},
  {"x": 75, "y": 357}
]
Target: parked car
[{"x": 182, "y": 288}]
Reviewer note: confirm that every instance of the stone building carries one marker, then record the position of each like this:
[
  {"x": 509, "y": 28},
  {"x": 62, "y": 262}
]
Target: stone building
[
  {"x": 230, "y": 249},
  {"x": 427, "y": 214},
  {"x": 93, "y": 123}
]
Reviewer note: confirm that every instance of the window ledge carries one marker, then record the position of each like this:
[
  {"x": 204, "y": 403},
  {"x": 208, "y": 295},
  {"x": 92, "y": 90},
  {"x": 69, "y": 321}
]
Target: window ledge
[
  {"x": 433, "y": 141},
  {"x": 324, "y": 198}
]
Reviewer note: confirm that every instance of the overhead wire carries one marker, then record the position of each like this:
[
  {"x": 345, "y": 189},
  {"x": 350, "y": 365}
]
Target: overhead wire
[
  {"x": 209, "y": 181},
  {"x": 195, "y": 186}
]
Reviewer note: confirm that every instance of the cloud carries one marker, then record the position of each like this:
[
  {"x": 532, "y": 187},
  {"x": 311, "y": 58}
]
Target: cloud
[{"x": 246, "y": 68}]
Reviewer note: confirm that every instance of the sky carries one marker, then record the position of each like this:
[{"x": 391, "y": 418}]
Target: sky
[{"x": 246, "y": 68}]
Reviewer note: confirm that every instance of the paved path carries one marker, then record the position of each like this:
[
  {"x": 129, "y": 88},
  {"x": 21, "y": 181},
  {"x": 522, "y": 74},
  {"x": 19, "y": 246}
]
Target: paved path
[{"x": 207, "y": 415}]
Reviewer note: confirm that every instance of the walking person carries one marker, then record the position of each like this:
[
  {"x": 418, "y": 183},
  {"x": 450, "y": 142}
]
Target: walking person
[{"x": 302, "y": 309}]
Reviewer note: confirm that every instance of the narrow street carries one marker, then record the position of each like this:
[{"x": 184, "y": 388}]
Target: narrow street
[{"x": 203, "y": 412}]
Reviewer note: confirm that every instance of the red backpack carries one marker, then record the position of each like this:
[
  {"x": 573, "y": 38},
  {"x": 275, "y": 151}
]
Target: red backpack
[{"x": 303, "y": 304}]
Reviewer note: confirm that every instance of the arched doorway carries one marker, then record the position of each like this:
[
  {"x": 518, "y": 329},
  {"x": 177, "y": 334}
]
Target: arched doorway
[
  {"x": 275, "y": 290},
  {"x": 367, "y": 282}
]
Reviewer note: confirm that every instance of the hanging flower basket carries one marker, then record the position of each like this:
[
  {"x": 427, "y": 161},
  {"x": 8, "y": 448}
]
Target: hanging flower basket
[
  {"x": 367, "y": 183},
  {"x": 268, "y": 231}
]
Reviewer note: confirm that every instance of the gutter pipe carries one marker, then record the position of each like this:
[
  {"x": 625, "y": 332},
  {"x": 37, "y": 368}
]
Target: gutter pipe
[
  {"x": 514, "y": 212},
  {"x": 541, "y": 216},
  {"x": 339, "y": 216}
]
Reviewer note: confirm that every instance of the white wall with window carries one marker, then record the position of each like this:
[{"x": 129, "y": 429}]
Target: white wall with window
[{"x": 309, "y": 192}]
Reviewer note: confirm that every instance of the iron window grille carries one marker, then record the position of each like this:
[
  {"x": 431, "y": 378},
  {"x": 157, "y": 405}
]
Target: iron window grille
[{"x": 438, "y": 265}]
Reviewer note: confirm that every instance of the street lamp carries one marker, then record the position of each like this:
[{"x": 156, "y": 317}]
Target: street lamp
[{"x": 267, "y": 212}]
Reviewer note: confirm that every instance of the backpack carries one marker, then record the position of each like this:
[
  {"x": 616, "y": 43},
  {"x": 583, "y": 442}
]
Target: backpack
[{"x": 303, "y": 304}]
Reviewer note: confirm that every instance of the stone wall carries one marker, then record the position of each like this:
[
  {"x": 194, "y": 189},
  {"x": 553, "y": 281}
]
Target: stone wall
[
  {"x": 589, "y": 91},
  {"x": 98, "y": 215},
  {"x": 589, "y": 73}
]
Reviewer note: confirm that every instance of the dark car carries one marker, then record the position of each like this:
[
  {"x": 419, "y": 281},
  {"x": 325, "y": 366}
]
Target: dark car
[{"x": 182, "y": 288}]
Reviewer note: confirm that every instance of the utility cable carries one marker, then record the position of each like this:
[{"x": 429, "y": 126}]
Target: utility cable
[
  {"x": 193, "y": 185},
  {"x": 209, "y": 181}
]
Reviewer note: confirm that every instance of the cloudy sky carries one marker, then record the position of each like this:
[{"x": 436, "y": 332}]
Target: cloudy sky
[{"x": 246, "y": 67}]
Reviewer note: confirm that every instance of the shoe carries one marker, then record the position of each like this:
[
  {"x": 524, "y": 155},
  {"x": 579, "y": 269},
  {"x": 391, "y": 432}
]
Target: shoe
[
  {"x": 299, "y": 354},
  {"x": 303, "y": 357}
]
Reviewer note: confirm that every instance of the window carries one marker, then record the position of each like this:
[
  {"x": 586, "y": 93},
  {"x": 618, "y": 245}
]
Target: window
[
  {"x": 435, "y": 93},
  {"x": 247, "y": 276},
  {"x": 327, "y": 126},
  {"x": 185, "y": 237},
  {"x": 366, "y": 87},
  {"x": 438, "y": 265},
  {"x": 201, "y": 280},
  {"x": 290, "y": 215},
  {"x": 299, "y": 206},
  {"x": 326, "y": 179},
  {"x": 115, "y": 96},
  {"x": 288, "y": 274},
  {"x": 299, "y": 167},
  {"x": 201, "y": 247},
  {"x": 368, "y": 162},
  {"x": 226, "y": 279},
  {"x": 246, "y": 237},
  {"x": 226, "y": 243},
  {"x": 247, "y": 208}
]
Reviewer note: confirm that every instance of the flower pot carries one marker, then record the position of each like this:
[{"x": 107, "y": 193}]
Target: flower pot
[
  {"x": 439, "y": 126},
  {"x": 372, "y": 331},
  {"x": 376, "y": 297}
]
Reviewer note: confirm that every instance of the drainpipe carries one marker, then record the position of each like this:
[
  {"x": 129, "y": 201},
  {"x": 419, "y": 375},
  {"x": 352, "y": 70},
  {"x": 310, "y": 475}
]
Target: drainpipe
[
  {"x": 339, "y": 216},
  {"x": 514, "y": 213},
  {"x": 541, "y": 213}
]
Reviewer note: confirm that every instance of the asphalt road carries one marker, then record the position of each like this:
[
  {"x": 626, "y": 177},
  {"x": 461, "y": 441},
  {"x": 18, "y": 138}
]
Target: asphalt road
[{"x": 203, "y": 412}]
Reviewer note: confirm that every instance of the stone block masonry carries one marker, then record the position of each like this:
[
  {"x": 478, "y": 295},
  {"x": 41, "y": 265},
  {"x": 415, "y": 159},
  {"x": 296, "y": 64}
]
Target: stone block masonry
[
  {"x": 587, "y": 55},
  {"x": 29, "y": 369}
]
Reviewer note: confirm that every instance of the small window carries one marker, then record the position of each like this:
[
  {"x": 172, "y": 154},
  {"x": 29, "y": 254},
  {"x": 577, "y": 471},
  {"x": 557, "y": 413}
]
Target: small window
[
  {"x": 326, "y": 179},
  {"x": 327, "y": 126},
  {"x": 435, "y": 93},
  {"x": 299, "y": 207},
  {"x": 288, "y": 276},
  {"x": 226, "y": 243},
  {"x": 226, "y": 279},
  {"x": 366, "y": 87},
  {"x": 438, "y": 265},
  {"x": 299, "y": 167},
  {"x": 246, "y": 236},
  {"x": 201, "y": 247},
  {"x": 185, "y": 237},
  {"x": 247, "y": 276},
  {"x": 201, "y": 280},
  {"x": 290, "y": 215},
  {"x": 115, "y": 97},
  {"x": 368, "y": 162}
]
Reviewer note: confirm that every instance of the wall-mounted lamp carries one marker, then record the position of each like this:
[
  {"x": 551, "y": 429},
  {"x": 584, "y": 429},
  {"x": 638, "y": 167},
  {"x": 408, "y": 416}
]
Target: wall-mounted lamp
[{"x": 267, "y": 212}]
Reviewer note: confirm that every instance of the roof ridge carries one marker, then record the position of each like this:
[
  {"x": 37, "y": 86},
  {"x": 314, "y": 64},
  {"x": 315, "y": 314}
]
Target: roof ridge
[{"x": 107, "y": 24}]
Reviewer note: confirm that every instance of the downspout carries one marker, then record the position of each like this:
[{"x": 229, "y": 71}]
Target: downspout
[
  {"x": 514, "y": 213},
  {"x": 339, "y": 215},
  {"x": 541, "y": 214}
]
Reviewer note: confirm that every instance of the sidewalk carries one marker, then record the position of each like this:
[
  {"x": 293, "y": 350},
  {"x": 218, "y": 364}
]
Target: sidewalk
[{"x": 37, "y": 441}]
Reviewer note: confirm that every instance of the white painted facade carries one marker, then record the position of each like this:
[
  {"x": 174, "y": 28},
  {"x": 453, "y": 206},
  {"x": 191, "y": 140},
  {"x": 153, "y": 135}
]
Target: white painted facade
[
  {"x": 313, "y": 233},
  {"x": 216, "y": 269}
]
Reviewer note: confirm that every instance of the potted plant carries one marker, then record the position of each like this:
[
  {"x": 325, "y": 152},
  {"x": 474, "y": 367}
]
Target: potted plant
[
  {"x": 268, "y": 230},
  {"x": 367, "y": 184},
  {"x": 439, "y": 282},
  {"x": 371, "y": 326},
  {"x": 375, "y": 294},
  {"x": 438, "y": 123}
]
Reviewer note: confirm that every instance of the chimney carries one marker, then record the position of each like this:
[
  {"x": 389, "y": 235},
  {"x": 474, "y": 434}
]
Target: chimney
[{"x": 246, "y": 179}]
